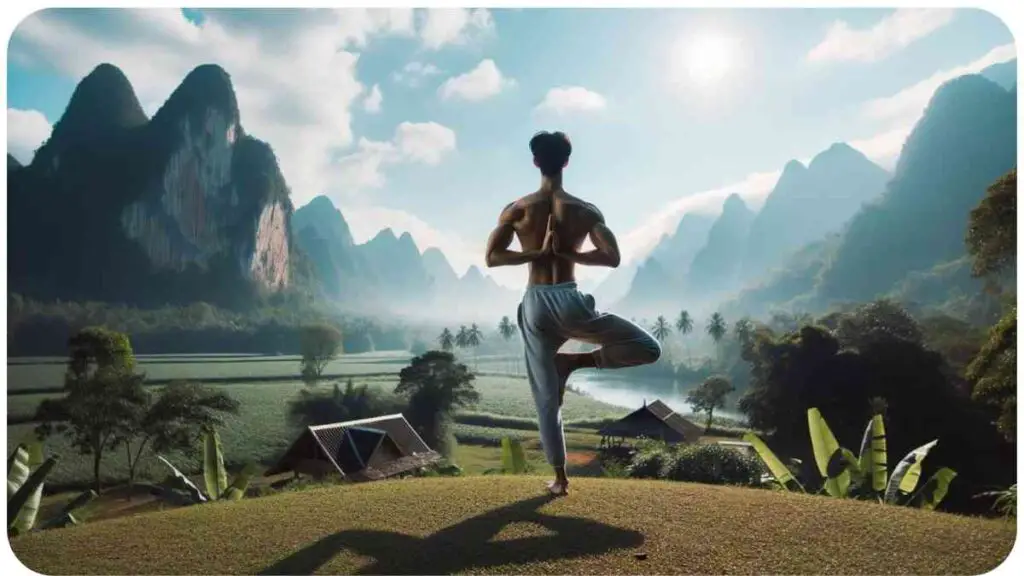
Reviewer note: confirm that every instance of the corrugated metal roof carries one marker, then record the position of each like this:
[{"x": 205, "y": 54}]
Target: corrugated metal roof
[{"x": 671, "y": 419}]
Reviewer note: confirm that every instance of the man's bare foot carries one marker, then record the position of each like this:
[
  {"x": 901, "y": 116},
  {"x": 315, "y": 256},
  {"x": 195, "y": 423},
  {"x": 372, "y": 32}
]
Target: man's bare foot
[
  {"x": 564, "y": 366},
  {"x": 556, "y": 488}
]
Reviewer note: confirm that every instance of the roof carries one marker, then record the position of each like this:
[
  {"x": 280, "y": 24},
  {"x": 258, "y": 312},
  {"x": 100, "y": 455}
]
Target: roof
[
  {"x": 655, "y": 420},
  {"x": 370, "y": 448}
]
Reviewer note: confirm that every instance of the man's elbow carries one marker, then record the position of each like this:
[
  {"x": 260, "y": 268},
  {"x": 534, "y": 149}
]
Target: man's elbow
[
  {"x": 614, "y": 259},
  {"x": 490, "y": 260}
]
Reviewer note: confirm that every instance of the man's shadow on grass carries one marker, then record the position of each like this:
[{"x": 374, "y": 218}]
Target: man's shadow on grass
[{"x": 465, "y": 545}]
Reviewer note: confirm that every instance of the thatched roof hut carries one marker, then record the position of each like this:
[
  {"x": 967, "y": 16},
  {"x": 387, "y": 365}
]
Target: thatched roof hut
[{"x": 656, "y": 421}]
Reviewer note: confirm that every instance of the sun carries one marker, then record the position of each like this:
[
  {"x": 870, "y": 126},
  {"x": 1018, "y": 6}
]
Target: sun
[{"x": 707, "y": 58}]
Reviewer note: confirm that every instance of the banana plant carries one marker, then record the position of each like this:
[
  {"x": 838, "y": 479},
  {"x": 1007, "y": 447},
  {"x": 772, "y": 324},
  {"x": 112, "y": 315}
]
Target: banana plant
[
  {"x": 26, "y": 471},
  {"x": 179, "y": 489},
  {"x": 847, "y": 474},
  {"x": 513, "y": 458}
]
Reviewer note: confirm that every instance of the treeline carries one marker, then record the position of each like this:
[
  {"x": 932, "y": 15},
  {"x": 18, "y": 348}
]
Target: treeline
[{"x": 43, "y": 328}]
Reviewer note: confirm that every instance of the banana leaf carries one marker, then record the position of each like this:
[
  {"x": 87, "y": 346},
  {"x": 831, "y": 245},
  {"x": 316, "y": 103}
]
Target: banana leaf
[
  {"x": 18, "y": 470},
  {"x": 934, "y": 490},
  {"x": 832, "y": 465},
  {"x": 780, "y": 472},
  {"x": 907, "y": 473},
  {"x": 241, "y": 483},
  {"x": 65, "y": 517},
  {"x": 874, "y": 453},
  {"x": 214, "y": 474},
  {"x": 513, "y": 460},
  {"x": 183, "y": 483},
  {"x": 24, "y": 505}
]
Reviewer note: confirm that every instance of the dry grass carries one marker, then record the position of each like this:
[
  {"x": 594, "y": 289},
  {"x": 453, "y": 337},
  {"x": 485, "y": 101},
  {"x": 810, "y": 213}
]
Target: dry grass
[{"x": 500, "y": 524}]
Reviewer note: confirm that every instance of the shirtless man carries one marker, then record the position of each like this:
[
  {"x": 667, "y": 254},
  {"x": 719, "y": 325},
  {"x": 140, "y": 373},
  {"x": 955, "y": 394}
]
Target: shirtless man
[{"x": 551, "y": 226}]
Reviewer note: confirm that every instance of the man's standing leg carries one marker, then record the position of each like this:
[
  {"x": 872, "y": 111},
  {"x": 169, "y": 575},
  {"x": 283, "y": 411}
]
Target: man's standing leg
[{"x": 540, "y": 349}]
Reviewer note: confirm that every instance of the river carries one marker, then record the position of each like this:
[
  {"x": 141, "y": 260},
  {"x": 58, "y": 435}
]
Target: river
[{"x": 631, "y": 392}]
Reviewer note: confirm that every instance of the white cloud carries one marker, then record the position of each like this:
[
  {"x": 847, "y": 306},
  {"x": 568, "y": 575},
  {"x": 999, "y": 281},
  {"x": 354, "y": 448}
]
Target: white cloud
[
  {"x": 424, "y": 143},
  {"x": 890, "y": 34},
  {"x": 293, "y": 71},
  {"x": 905, "y": 107},
  {"x": 567, "y": 99},
  {"x": 26, "y": 131},
  {"x": 373, "y": 100},
  {"x": 479, "y": 83},
  {"x": 441, "y": 26},
  {"x": 414, "y": 72}
]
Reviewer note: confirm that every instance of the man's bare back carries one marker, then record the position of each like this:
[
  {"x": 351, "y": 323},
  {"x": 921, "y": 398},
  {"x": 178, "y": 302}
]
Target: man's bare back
[{"x": 551, "y": 226}]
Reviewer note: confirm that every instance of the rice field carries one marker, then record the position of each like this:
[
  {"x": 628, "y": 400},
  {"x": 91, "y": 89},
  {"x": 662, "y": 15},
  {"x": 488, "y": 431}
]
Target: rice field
[{"x": 260, "y": 431}]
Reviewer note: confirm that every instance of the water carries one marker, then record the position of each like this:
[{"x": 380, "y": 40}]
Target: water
[{"x": 630, "y": 392}]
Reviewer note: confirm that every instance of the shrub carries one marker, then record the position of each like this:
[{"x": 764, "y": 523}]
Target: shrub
[{"x": 712, "y": 464}]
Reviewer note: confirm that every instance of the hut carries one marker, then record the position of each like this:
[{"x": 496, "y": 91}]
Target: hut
[
  {"x": 656, "y": 421},
  {"x": 359, "y": 450}
]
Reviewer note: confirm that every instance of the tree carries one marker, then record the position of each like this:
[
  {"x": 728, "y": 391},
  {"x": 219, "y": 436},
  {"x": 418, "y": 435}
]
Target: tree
[
  {"x": 661, "y": 329},
  {"x": 462, "y": 338},
  {"x": 506, "y": 329},
  {"x": 710, "y": 396},
  {"x": 992, "y": 229},
  {"x": 320, "y": 343},
  {"x": 104, "y": 397},
  {"x": 436, "y": 385},
  {"x": 744, "y": 330},
  {"x": 446, "y": 340},
  {"x": 684, "y": 325},
  {"x": 716, "y": 328},
  {"x": 175, "y": 421},
  {"x": 473, "y": 338},
  {"x": 993, "y": 372}
]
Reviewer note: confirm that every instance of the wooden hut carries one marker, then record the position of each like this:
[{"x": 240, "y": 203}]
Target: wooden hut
[
  {"x": 359, "y": 450},
  {"x": 655, "y": 421}
]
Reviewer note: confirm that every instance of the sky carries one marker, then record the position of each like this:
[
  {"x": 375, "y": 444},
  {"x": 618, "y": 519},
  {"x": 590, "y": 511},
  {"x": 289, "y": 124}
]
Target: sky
[{"x": 419, "y": 120}]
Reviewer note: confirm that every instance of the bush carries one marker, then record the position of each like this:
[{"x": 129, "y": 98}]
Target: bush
[{"x": 704, "y": 463}]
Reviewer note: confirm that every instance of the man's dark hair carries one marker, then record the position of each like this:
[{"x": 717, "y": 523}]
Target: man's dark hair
[{"x": 551, "y": 151}]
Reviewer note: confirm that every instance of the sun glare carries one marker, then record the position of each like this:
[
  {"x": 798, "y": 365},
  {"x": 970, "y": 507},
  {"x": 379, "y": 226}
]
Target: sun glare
[{"x": 707, "y": 58}]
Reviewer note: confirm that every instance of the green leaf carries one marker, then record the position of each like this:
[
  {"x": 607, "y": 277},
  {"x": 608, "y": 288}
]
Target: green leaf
[
  {"x": 907, "y": 473},
  {"x": 874, "y": 453},
  {"x": 214, "y": 474},
  {"x": 182, "y": 482},
  {"x": 24, "y": 505},
  {"x": 18, "y": 470},
  {"x": 934, "y": 490},
  {"x": 241, "y": 483},
  {"x": 513, "y": 459},
  {"x": 779, "y": 470},
  {"x": 827, "y": 455},
  {"x": 65, "y": 517}
]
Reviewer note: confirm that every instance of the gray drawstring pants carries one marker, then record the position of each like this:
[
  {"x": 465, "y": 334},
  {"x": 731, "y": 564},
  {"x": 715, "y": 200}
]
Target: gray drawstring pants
[{"x": 549, "y": 316}]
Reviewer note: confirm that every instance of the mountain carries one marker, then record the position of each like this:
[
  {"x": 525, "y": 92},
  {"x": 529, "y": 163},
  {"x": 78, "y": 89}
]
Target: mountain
[
  {"x": 965, "y": 140},
  {"x": 1004, "y": 74},
  {"x": 716, "y": 266},
  {"x": 807, "y": 203},
  {"x": 676, "y": 252},
  {"x": 12, "y": 163},
  {"x": 322, "y": 232},
  {"x": 653, "y": 291},
  {"x": 182, "y": 207},
  {"x": 439, "y": 269}
]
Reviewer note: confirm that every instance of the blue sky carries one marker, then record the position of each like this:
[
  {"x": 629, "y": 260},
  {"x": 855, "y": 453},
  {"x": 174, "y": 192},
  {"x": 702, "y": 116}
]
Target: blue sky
[{"x": 419, "y": 120}]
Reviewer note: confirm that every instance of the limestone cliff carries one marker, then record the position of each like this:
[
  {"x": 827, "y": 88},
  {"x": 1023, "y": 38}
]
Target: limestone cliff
[{"x": 181, "y": 207}]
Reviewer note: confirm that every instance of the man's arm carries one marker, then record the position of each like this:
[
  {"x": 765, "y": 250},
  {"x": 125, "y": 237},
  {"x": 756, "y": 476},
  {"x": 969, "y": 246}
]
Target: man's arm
[
  {"x": 606, "y": 248},
  {"x": 498, "y": 253}
]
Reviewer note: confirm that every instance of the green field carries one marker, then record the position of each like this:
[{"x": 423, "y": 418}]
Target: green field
[
  {"x": 502, "y": 524},
  {"x": 260, "y": 432}
]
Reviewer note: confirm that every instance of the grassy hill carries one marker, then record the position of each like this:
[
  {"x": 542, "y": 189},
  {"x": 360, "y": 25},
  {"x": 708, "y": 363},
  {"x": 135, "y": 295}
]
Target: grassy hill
[{"x": 500, "y": 525}]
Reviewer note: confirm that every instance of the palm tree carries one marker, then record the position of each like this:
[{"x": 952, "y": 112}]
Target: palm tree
[
  {"x": 684, "y": 324},
  {"x": 744, "y": 330},
  {"x": 446, "y": 340},
  {"x": 661, "y": 329},
  {"x": 717, "y": 329},
  {"x": 461, "y": 338},
  {"x": 473, "y": 338},
  {"x": 507, "y": 330}
]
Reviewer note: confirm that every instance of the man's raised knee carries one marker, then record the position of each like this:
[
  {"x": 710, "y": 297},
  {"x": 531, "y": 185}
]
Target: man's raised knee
[{"x": 651, "y": 351}]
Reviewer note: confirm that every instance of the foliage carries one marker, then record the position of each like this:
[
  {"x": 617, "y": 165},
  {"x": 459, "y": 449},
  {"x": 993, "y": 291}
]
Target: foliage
[
  {"x": 704, "y": 463},
  {"x": 313, "y": 408},
  {"x": 1005, "y": 501},
  {"x": 103, "y": 398},
  {"x": 716, "y": 327},
  {"x": 992, "y": 231},
  {"x": 320, "y": 344},
  {"x": 710, "y": 396},
  {"x": 179, "y": 489},
  {"x": 993, "y": 372},
  {"x": 684, "y": 323},
  {"x": 436, "y": 385},
  {"x": 513, "y": 458},
  {"x": 446, "y": 340},
  {"x": 661, "y": 329},
  {"x": 26, "y": 472}
]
